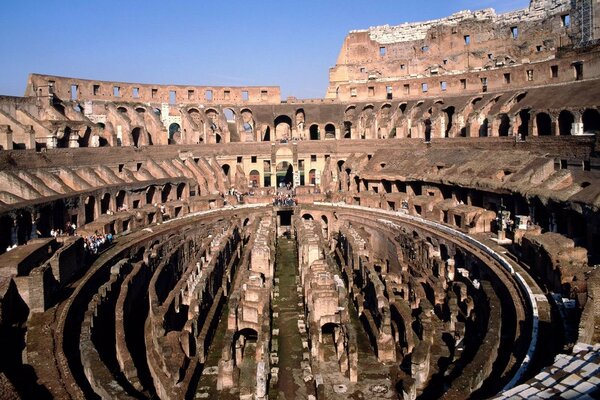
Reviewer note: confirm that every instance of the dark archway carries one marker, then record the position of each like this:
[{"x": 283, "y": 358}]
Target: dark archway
[
  {"x": 174, "y": 130},
  {"x": 90, "y": 209},
  {"x": 428, "y": 130},
  {"x": 565, "y": 123},
  {"x": 329, "y": 131},
  {"x": 314, "y": 132},
  {"x": 450, "y": 114},
  {"x": 504, "y": 128},
  {"x": 591, "y": 121},
  {"x": 226, "y": 169},
  {"x": 180, "y": 191},
  {"x": 164, "y": 194},
  {"x": 150, "y": 195},
  {"x": 120, "y": 199},
  {"x": 285, "y": 174},
  {"x": 347, "y": 130},
  {"x": 483, "y": 128},
  {"x": 135, "y": 135},
  {"x": 524, "y": 116},
  {"x": 267, "y": 135},
  {"x": 105, "y": 203},
  {"x": 544, "y": 124}
]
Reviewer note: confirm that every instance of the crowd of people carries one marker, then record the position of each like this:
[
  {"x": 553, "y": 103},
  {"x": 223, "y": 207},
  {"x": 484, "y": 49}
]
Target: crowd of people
[
  {"x": 284, "y": 199},
  {"x": 97, "y": 242},
  {"x": 70, "y": 230}
]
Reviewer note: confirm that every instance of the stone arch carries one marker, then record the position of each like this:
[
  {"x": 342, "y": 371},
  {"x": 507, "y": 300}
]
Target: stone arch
[
  {"x": 543, "y": 124},
  {"x": 312, "y": 176},
  {"x": 449, "y": 116},
  {"x": 483, "y": 128},
  {"x": 307, "y": 217},
  {"x": 591, "y": 120},
  {"x": 181, "y": 191},
  {"x": 347, "y": 130},
  {"x": 524, "y": 118},
  {"x": 283, "y": 127},
  {"x": 105, "y": 203},
  {"x": 504, "y": 125},
  {"x": 284, "y": 172},
  {"x": 566, "y": 119},
  {"x": 90, "y": 209},
  {"x": 136, "y": 135},
  {"x": 330, "y": 131},
  {"x": 165, "y": 193},
  {"x": 226, "y": 169},
  {"x": 254, "y": 178},
  {"x": 150, "y": 193},
  {"x": 120, "y": 199},
  {"x": 314, "y": 132},
  {"x": 174, "y": 132}
]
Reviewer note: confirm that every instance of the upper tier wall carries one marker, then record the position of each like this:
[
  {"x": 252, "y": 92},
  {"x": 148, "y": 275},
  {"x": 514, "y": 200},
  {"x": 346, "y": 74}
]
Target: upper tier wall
[{"x": 84, "y": 89}]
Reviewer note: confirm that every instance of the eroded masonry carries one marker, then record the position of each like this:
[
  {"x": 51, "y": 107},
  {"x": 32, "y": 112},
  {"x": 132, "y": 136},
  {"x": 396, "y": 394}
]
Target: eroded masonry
[{"x": 428, "y": 229}]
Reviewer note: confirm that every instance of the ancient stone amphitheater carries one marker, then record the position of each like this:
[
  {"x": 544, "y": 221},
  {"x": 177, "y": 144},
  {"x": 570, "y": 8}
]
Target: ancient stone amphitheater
[{"x": 428, "y": 229}]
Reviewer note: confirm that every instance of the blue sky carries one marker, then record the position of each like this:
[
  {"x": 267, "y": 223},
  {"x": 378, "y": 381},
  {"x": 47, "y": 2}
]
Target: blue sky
[{"x": 197, "y": 42}]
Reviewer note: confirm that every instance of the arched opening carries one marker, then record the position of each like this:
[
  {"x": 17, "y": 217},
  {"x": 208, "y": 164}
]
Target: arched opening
[
  {"x": 180, "y": 191},
  {"x": 325, "y": 224},
  {"x": 135, "y": 135},
  {"x": 329, "y": 131},
  {"x": 24, "y": 224},
  {"x": 254, "y": 178},
  {"x": 428, "y": 130},
  {"x": 90, "y": 209},
  {"x": 347, "y": 130},
  {"x": 329, "y": 332},
  {"x": 504, "y": 127},
  {"x": 174, "y": 132},
  {"x": 122, "y": 110},
  {"x": 150, "y": 195},
  {"x": 340, "y": 164},
  {"x": 307, "y": 217},
  {"x": 120, "y": 200},
  {"x": 565, "y": 122},
  {"x": 300, "y": 119},
  {"x": 231, "y": 124},
  {"x": 226, "y": 169},
  {"x": 524, "y": 126},
  {"x": 312, "y": 177},
  {"x": 283, "y": 127},
  {"x": 247, "y": 121},
  {"x": 105, "y": 203},
  {"x": 483, "y": 128},
  {"x": 217, "y": 138},
  {"x": 245, "y": 344},
  {"x": 544, "y": 124},
  {"x": 229, "y": 114},
  {"x": 285, "y": 174},
  {"x": 591, "y": 121},
  {"x": 450, "y": 115},
  {"x": 165, "y": 193},
  {"x": 140, "y": 110},
  {"x": 267, "y": 135},
  {"x": 314, "y": 132}
]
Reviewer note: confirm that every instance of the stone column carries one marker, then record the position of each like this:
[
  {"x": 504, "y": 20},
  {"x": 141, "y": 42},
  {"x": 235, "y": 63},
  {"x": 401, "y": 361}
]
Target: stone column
[{"x": 6, "y": 137}]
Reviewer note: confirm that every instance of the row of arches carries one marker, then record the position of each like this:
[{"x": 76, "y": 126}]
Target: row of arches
[{"x": 107, "y": 203}]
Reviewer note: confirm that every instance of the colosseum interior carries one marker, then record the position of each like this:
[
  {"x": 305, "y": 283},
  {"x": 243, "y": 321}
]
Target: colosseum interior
[{"x": 430, "y": 228}]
